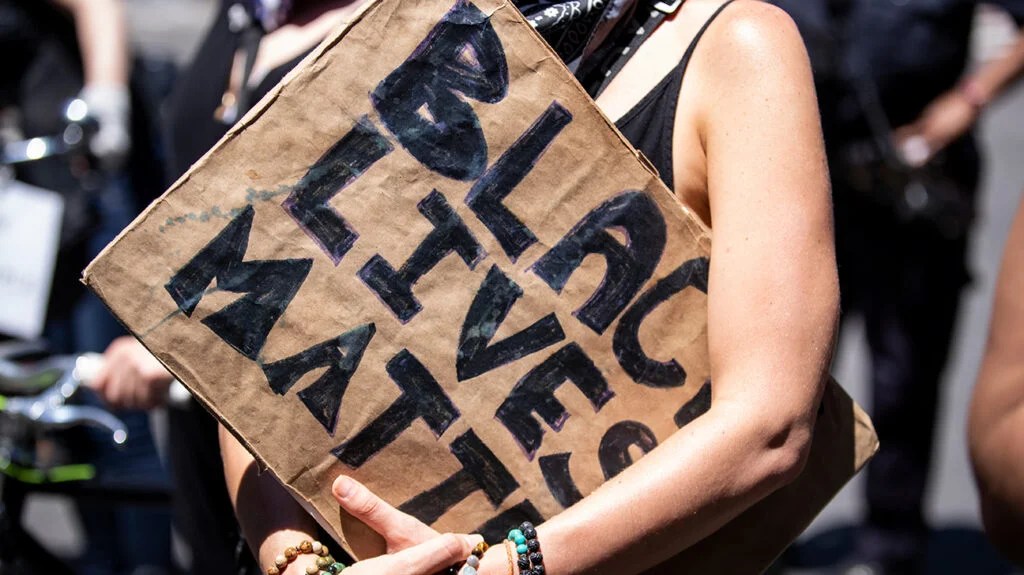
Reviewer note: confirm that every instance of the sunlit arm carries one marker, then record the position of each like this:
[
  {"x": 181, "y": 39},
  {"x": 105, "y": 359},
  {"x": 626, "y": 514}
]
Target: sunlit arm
[
  {"x": 270, "y": 518},
  {"x": 772, "y": 312}
]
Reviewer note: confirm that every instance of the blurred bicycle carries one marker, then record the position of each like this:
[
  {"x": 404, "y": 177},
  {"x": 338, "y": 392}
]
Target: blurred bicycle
[
  {"x": 44, "y": 405},
  {"x": 64, "y": 440}
]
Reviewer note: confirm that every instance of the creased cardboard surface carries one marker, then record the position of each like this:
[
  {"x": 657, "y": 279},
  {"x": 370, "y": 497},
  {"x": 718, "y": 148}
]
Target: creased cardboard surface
[{"x": 329, "y": 281}]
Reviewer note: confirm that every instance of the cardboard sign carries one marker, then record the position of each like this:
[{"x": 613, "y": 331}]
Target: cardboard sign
[
  {"x": 428, "y": 261},
  {"x": 30, "y": 219}
]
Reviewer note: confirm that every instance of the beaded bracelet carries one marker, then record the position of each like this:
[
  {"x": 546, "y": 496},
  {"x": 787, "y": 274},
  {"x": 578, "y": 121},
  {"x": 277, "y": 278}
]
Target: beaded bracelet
[
  {"x": 325, "y": 564},
  {"x": 472, "y": 563},
  {"x": 531, "y": 560}
]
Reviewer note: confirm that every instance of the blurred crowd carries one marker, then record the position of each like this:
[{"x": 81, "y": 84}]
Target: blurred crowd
[{"x": 899, "y": 107}]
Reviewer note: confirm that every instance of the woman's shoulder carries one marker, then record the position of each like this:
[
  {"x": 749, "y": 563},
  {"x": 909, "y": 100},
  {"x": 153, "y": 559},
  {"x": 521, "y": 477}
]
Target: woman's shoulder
[
  {"x": 751, "y": 49},
  {"x": 749, "y": 35}
]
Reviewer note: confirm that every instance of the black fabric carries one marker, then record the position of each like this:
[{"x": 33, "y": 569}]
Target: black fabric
[
  {"x": 192, "y": 127},
  {"x": 203, "y": 509},
  {"x": 649, "y": 125}
]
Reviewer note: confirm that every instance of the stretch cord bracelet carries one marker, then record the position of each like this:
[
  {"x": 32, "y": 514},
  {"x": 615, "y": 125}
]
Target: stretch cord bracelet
[
  {"x": 531, "y": 560},
  {"x": 472, "y": 563},
  {"x": 325, "y": 564}
]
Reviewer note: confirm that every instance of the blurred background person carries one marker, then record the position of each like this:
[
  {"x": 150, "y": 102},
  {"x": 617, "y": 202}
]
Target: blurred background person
[
  {"x": 898, "y": 111},
  {"x": 54, "y": 51}
]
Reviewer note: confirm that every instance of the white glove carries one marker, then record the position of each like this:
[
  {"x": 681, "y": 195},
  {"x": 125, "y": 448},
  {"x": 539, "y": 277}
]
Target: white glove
[{"x": 110, "y": 105}]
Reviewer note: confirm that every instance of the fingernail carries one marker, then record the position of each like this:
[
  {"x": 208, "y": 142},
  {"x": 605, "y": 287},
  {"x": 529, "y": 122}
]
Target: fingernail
[{"x": 343, "y": 487}]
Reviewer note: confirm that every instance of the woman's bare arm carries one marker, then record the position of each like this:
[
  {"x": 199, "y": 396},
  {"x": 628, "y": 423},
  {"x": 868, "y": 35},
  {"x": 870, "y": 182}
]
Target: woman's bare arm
[
  {"x": 103, "y": 38},
  {"x": 773, "y": 307},
  {"x": 270, "y": 518},
  {"x": 996, "y": 423}
]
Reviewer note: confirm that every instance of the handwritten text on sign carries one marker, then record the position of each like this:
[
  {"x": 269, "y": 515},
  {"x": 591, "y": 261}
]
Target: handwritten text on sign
[
  {"x": 448, "y": 140},
  {"x": 438, "y": 108}
]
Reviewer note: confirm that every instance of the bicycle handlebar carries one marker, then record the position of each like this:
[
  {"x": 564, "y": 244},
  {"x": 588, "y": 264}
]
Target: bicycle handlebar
[
  {"x": 79, "y": 127},
  {"x": 49, "y": 410}
]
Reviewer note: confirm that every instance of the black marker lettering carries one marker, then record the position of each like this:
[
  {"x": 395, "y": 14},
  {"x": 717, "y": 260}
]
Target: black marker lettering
[
  {"x": 696, "y": 407},
  {"x": 614, "y": 451},
  {"x": 628, "y": 266},
  {"x": 268, "y": 285},
  {"x": 626, "y": 342},
  {"x": 508, "y": 171},
  {"x": 309, "y": 202},
  {"x": 462, "y": 56},
  {"x": 449, "y": 234},
  {"x": 323, "y": 397},
  {"x": 481, "y": 470},
  {"x": 555, "y": 469},
  {"x": 535, "y": 392},
  {"x": 421, "y": 397},
  {"x": 496, "y": 529},
  {"x": 493, "y": 301}
]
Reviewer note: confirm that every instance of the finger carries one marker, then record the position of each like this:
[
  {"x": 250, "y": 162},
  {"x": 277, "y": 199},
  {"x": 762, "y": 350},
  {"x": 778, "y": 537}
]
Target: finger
[
  {"x": 399, "y": 529},
  {"x": 430, "y": 556},
  {"x": 116, "y": 396}
]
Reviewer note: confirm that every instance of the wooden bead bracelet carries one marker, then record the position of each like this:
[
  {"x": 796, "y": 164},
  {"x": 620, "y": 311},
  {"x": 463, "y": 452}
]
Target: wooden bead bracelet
[{"x": 325, "y": 564}]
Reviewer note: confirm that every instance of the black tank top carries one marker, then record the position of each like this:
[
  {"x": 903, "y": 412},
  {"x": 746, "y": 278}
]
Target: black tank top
[
  {"x": 649, "y": 124},
  {"x": 191, "y": 124}
]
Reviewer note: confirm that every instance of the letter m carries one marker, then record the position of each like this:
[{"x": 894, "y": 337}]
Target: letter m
[{"x": 268, "y": 285}]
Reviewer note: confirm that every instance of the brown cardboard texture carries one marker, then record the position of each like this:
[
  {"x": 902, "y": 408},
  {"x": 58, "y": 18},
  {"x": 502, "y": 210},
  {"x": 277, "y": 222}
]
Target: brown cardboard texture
[{"x": 428, "y": 261}]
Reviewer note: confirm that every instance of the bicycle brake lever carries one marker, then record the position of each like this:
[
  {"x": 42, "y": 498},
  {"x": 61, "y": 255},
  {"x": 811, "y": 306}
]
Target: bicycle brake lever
[{"x": 64, "y": 416}]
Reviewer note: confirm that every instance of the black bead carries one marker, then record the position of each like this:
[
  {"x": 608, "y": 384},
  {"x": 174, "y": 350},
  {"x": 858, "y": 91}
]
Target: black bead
[
  {"x": 530, "y": 533},
  {"x": 532, "y": 544},
  {"x": 524, "y": 562},
  {"x": 536, "y": 558},
  {"x": 538, "y": 570},
  {"x": 526, "y": 525}
]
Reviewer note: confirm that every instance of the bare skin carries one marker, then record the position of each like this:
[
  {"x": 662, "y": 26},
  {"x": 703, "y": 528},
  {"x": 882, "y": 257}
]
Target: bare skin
[
  {"x": 996, "y": 422},
  {"x": 759, "y": 175},
  {"x": 103, "y": 37}
]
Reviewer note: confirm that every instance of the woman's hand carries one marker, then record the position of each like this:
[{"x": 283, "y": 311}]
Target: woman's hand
[
  {"x": 944, "y": 120},
  {"x": 412, "y": 547},
  {"x": 399, "y": 530}
]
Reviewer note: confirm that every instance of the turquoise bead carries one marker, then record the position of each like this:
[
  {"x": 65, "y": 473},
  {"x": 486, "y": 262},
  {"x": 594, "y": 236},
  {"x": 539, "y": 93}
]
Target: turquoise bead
[
  {"x": 519, "y": 540},
  {"x": 521, "y": 549},
  {"x": 515, "y": 533}
]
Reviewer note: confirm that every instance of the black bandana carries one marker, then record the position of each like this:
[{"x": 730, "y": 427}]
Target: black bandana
[{"x": 569, "y": 25}]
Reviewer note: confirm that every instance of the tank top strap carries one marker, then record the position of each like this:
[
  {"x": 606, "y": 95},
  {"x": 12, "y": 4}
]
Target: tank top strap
[
  {"x": 700, "y": 34},
  {"x": 649, "y": 124}
]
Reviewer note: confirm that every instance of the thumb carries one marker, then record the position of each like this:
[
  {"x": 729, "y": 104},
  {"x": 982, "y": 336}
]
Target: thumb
[{"x": 400, "y": 530}]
